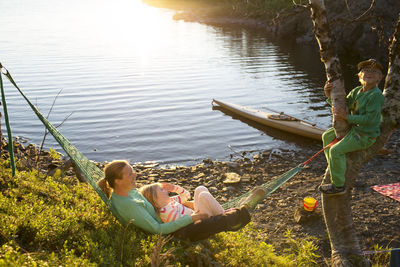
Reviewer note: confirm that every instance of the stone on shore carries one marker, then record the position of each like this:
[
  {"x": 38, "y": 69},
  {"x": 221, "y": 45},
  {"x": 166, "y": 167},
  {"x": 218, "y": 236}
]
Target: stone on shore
[{"x": 231, "y": 178}]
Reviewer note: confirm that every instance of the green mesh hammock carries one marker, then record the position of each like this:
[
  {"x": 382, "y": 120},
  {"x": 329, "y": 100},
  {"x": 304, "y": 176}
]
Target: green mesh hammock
[
  {"x": 93, "y": 173},
  {"x": 270, "y": 186}
]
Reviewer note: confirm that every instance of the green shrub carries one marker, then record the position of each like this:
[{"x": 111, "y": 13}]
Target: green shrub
[
  {"x": 380, "y": 259},
  {"x": 54, "y": 154},
  {"x": 304, "y": 249},
  {"x": 242, "y": 249}
]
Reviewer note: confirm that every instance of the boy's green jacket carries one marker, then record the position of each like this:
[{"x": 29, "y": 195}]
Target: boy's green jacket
[{"x": 365, "y": 110}]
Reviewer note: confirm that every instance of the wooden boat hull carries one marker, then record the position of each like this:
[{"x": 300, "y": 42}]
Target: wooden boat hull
[{"x": 297, "y": 127}]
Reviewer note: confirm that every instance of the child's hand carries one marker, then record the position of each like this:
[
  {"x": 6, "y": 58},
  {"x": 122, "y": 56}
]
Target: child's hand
[
  {"x": 168, "y": 187},
  {"x": 339, "y": 114},
  {"x": 189, "y": 204}
]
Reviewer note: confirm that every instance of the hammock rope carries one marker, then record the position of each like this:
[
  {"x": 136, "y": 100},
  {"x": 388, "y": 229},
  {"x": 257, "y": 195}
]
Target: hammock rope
[{"x": 93, "y": 173}]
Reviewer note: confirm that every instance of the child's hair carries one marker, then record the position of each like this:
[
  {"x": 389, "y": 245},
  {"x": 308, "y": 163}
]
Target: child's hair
[
  {"x": 150, "y": 193},
  {"x": 112, "y": 171}
]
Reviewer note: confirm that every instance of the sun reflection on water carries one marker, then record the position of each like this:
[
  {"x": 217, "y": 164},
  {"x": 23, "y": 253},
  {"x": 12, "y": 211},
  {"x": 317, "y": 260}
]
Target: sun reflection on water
[{"x": 125, "y": 21}]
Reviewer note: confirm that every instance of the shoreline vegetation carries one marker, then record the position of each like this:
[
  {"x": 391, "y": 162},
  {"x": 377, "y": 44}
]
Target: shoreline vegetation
[
  {"x": 256, "y": 9},
  {"x": 57, "y": 220}
]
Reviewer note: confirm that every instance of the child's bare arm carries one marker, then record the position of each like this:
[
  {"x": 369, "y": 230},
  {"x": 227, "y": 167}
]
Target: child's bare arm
[
  {"x": 189, "y": 204},
  {"x": 183, "y": 195}
]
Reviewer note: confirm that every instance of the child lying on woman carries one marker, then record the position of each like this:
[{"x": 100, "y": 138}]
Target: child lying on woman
[{"x": 172, "y": 208}]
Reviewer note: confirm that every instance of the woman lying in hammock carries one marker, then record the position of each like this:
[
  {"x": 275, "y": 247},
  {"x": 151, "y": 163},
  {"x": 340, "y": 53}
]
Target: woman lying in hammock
[{"x": 120, "y": 186}]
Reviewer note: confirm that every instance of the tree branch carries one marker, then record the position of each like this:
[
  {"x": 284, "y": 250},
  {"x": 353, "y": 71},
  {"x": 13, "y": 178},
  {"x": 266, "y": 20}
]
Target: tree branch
[{"x": 363, "y": 14}]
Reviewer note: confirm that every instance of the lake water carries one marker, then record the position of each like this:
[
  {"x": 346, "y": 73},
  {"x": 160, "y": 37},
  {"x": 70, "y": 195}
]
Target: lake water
[{"x": 140, "y": 84}]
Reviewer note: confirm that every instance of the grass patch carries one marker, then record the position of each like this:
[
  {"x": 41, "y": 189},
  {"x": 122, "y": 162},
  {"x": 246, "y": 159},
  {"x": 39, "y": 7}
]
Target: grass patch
[{"x": 57, "y": 221}]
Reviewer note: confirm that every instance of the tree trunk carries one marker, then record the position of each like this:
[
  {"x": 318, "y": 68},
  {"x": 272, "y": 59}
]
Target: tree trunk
[
  {"x": 391, "y": 108},
  {"x": 346, "y": 250},
  {"x": 331, "y": 61}
]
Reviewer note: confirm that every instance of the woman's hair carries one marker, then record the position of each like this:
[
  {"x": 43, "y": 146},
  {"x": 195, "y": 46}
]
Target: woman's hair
[
  {"x": 150, "y": 193},
  {"x": 112, "y": 171}
]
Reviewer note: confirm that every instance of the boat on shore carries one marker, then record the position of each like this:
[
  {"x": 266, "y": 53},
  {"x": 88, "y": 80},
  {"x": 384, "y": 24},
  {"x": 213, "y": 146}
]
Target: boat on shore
[{"x": 279, "y": 121}]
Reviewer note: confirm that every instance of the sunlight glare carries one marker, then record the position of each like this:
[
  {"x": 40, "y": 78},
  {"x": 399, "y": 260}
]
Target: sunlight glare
[{"x": 126, "y": 21}]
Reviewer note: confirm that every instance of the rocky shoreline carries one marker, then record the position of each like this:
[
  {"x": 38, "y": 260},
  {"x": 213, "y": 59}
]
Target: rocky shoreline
[{"x": 376, "y": 216}]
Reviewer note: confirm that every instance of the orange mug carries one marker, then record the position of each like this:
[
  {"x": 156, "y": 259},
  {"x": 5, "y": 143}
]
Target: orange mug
[{"x": 310, "y": 203}]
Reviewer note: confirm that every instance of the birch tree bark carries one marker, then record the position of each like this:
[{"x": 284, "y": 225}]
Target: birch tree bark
[
  {"x": 346, "y": 250},
  {"x": 331, "y": 61}
]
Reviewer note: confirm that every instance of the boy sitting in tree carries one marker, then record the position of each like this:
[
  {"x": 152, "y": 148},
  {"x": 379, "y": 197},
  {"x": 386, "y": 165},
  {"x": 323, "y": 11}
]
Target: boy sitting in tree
[{"x": 365, "y": 105}]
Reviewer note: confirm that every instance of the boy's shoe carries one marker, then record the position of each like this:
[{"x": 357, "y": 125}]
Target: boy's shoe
[
  {"x": 331, "y": 189},
  {"x": 256, "y": 194}
]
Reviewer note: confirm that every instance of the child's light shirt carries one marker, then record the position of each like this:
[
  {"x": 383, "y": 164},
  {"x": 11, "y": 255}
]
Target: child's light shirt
[{"x": 175, "y": 208}]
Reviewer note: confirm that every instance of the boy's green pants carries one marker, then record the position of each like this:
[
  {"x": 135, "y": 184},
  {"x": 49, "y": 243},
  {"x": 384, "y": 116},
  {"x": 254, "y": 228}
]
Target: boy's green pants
[{"x": 336, "y": 155}]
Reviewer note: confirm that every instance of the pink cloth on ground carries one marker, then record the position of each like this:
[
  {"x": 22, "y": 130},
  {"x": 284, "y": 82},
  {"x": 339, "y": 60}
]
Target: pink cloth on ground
[{"x": 390, "y": 190}]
